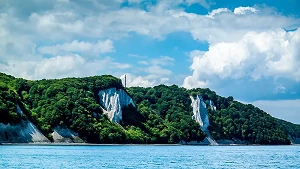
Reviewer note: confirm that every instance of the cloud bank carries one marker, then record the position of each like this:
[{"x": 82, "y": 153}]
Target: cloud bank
[{"x": 248, "y": 45}]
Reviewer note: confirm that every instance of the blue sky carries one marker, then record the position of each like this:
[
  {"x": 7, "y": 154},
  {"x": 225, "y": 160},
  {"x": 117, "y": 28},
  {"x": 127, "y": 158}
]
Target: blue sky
[{"x": 246, "y": 49}]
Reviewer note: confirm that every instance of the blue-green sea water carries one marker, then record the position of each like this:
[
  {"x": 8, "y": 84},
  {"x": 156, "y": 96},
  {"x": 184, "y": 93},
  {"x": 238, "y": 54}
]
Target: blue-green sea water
[{"x": 116, "y": 156}]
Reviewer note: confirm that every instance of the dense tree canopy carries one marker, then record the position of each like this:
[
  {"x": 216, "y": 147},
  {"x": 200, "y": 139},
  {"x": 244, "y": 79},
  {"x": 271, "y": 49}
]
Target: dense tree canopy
[
  {"x": 168, "y": 112},
  {"x": 163, "y": 113},
  {"x": 9, "y": 100},
  {"x": 292, "y": 130},
  {"x": 70, "y": 102},
  {"x": 232, "y": 120}
]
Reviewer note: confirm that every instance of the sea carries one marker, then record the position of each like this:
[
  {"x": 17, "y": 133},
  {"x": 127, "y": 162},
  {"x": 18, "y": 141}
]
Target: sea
[{"x": 148, "y": 156}]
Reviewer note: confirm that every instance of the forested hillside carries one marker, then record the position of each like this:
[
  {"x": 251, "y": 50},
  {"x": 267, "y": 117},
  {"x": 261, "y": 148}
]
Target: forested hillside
[
  {"x": 231, "y": 120},
  {"x": 163, "y": 113},
  {"x": 168, "y": 113},
  {"x": 8, "y": 100},
  {"x": 74, "y": 103},
  {"x": 292, "y": 129},
  {"x": 66, "y": 102}
]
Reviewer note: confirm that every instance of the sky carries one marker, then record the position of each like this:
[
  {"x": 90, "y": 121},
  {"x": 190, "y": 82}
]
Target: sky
[{"x": 246, "y": 49}]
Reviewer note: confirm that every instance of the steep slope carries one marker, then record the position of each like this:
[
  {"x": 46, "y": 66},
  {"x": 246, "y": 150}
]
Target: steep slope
[
  {"x": 200, "y": 112},
  {"x": 113, "y": 101},
  {"x": 293, "y": 131},
  {"x": 24, "y": 132},
  {"x": 14, "y": 126},
  {"x": 201, "y": 116},
  {"x": 65, "y": 135}
]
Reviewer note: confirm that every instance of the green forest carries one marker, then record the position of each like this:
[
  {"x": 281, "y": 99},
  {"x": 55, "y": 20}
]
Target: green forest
[{"x": 163, "y": 114}]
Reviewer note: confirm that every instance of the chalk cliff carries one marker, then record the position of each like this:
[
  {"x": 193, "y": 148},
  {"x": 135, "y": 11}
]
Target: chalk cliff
[
  {"x": 200, "y": 112},
  {"x": 65, "y": 135},
  {"x": 112, "y": 101},
  {"x": 212, "y": 105},
  {"x": 25, "y": 132},
  {"x": 201, "y": 116}
]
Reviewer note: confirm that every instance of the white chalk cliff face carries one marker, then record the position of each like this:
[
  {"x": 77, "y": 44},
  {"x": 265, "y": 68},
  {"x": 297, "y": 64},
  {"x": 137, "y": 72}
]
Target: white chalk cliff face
[
  {"x": 65, "y": 135},
  {"x": 113, "y": 100},
  {"x": 200, "y": 112},
  {"x": 25, "y": 132},
  {"x": 212, "y": 105},
  {"x": 201, "y": 116}
]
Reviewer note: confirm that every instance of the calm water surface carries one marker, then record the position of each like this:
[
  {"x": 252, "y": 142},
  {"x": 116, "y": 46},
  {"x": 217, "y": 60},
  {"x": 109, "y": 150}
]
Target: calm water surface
[{"x": 150, "y": 157}]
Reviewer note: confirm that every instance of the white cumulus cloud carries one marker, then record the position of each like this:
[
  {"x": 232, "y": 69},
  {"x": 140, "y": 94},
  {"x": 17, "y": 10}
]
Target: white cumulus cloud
[
  {"x": 242, "y": 10},
  {"x": 244, "y": 42},
  {"x": 272, "y": 54},
  {"x": 61, "y": 66},
  {"x": 217, "y": 11},
  {"x": 133, "y": 80}
]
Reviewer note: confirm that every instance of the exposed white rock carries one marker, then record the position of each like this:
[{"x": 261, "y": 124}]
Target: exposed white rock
[
  {"x": 35, "y": 133},
  {"x": 200, "y": 112},
  {"x": 201, "y": 116},
  {"x": 25, "y": 132},
  {"x": 212, "y": 105},
  {"x": 65, "y": 135},
  {"x": 113, "y": 100}
]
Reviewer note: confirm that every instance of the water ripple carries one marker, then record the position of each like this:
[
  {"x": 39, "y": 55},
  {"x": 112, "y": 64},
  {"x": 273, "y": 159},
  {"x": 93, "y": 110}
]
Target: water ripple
[{"x": 131, "y": 157}]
